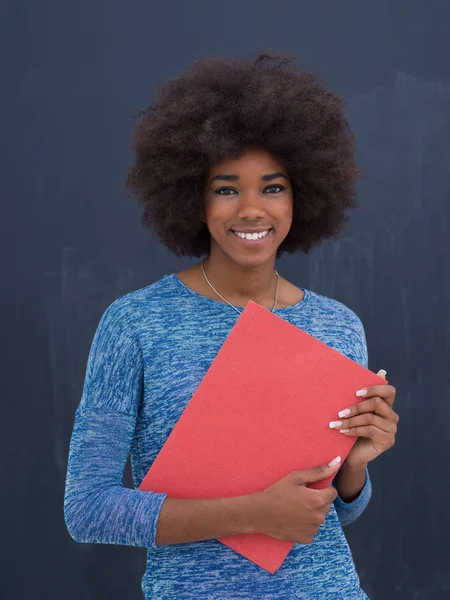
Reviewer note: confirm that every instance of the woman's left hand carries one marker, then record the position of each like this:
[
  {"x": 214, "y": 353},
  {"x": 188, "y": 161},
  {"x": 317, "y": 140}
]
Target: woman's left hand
[{"x": 374, "y": 422}]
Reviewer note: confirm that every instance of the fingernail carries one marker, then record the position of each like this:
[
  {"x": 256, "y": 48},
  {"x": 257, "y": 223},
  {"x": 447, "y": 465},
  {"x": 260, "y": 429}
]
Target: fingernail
[
  {"x": 335, "y": 424},
  {"x": 344, "y": 413},
  {"x": 335, "y": 461},
  {"x": 361, "y": 392},
  {"x": 382, "y": 373},
  {"x": 344, "y": 430}
]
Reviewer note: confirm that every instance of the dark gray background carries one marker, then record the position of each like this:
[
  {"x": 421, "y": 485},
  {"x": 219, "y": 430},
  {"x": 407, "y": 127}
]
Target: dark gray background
[{"x": 73, "y": 73}]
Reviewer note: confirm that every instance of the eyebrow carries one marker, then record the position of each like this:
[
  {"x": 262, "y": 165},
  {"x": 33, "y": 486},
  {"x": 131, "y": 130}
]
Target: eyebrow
[{"x": 267, "y": 177}]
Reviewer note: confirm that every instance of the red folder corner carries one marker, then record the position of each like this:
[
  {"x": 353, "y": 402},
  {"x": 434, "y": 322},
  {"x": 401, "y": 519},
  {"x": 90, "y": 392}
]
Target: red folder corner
[{"x": 261, "y": 411}]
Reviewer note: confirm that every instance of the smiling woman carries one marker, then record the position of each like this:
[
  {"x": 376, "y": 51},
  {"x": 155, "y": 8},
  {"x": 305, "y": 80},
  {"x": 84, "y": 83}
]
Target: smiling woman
[
  {"x": 248, "y": 221},
  {"x": 214, "y": 111},
  {"x": 238, "y": 162},
  {"x": 252, "y": 206}
]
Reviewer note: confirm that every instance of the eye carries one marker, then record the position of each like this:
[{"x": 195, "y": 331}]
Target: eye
[
  {"x": 222, "y": 191},
  {"x": 275, "y": 185}
]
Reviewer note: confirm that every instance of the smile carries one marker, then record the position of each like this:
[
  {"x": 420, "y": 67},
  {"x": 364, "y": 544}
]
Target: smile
[{"x": 252, "y": 236}]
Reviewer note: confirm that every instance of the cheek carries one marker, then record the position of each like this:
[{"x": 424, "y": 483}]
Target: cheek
[
  {"x": 216, "y": 212},
  {"x": 210, "y": 216},
  {"x": 286, "y": 211}
]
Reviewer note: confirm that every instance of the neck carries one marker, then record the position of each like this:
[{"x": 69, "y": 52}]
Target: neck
[{"x": 238, "y": 283}]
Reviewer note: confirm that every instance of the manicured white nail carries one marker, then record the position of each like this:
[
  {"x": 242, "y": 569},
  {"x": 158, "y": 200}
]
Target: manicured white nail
[
  {"x": 361, "y": 392},
  {"x": 335, "y": 424},
  {"x": 382, "y": 373},
  {"x": 335, "y": 461},
  {"x": 344, "y": 430},
  {"x": 344, "y": 413}
]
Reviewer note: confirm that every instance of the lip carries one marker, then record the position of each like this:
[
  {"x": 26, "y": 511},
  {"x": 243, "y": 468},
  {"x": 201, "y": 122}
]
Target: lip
[
  {"x": 248, "y": 230},
  {"x": 258, "y": 242}
]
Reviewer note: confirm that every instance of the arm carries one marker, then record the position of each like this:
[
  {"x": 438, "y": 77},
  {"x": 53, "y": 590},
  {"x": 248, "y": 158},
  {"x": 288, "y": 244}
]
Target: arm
[
  {"x": 183, "y": 521},
  {"x": 97, "y": 508}
]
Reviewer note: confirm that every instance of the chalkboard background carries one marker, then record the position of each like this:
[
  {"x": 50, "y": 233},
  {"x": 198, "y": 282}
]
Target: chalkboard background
[{"x": 72, "y": 75}]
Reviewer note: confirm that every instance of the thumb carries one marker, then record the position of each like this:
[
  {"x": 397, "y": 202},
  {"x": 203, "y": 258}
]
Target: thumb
[{"x": 318, "y": 473}]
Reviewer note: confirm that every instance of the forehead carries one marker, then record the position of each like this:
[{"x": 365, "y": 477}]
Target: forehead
[{"x": 251, "y": 159}]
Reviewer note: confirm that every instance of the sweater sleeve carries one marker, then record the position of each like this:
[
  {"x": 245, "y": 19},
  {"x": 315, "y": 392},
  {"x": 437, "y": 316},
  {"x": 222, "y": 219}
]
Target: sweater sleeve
[
  {"x": 97, "y": 507},
  {"x": 350, "y": 511}
]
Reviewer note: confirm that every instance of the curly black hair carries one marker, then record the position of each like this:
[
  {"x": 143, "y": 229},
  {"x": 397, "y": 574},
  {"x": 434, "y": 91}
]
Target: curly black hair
[{"x": 215, "y": 109}]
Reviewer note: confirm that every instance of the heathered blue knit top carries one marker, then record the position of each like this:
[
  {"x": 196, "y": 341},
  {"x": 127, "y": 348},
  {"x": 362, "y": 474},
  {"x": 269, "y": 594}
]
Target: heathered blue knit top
[{"x": 151, "y": 349}]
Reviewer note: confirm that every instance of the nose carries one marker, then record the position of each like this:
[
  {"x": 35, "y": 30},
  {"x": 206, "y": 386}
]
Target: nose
[{"x": 251, "y": 206}]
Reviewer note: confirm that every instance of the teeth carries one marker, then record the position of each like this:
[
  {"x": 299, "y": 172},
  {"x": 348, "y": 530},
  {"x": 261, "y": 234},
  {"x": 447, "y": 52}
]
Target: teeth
[{"x": 252, "y": 236}]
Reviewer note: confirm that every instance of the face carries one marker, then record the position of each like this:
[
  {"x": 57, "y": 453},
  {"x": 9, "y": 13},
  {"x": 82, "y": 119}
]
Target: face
[{"x": 248, "y": 197}]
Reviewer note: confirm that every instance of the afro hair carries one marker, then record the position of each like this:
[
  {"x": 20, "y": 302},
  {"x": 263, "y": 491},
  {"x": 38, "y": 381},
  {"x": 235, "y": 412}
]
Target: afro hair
[{"x": 213, "y": 111}]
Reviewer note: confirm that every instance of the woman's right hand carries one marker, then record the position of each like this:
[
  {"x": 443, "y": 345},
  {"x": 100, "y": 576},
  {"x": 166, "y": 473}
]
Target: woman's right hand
[{"x": 288, "y": 510}]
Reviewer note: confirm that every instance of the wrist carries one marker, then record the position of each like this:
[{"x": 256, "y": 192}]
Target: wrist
[
  {"x": 353, "y": 468},
  {"x": 251, "y": 513},
  {"x": 350, "y": 481}
]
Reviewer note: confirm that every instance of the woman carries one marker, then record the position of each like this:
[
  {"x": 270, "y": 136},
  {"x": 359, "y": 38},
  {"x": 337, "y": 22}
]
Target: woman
[{"x": 238, "y": 161}]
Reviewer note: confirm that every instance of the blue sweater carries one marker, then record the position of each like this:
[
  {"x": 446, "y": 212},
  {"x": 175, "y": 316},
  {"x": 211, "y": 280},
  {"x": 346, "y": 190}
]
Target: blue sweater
[{"x": 151, "y": 349}]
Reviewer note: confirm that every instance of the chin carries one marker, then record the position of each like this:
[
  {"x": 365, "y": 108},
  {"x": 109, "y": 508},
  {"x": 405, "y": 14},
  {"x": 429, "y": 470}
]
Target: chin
[{"x": 248, "y": 261}]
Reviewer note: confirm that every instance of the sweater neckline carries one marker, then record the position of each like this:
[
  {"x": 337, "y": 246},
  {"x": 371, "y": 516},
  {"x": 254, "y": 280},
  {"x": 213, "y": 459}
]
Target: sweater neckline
[{"x": 284, "y": 309}]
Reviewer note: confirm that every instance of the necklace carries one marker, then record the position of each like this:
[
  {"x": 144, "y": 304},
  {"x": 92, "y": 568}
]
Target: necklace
[{"x": 232, "y": 305}]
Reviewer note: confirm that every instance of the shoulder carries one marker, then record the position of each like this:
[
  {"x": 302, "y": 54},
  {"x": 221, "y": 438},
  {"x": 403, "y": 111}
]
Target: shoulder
[
  {"x": 152, "y": 295},
  {"x": 339, "y": 325},
  {"x": 128, "y": 311},
  {"x": 334, "y": 309}
]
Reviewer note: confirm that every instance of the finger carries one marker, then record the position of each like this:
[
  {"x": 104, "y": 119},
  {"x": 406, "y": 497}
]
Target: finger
[
  {"x": 386, "y": 392},
  {"x": 327, "y": 496},
  {"x": 382, "y": 373},
  {"x": 381, "y": 438},
  {"x": 318, "y": 473},
  {"x": 330, "y": 495},
  {"x": 376, "y": 405},
  {"x": 368, "y": 419}
]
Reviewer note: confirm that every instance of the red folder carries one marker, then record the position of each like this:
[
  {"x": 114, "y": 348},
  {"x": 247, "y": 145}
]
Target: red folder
[{"x": 261, "y": 411}]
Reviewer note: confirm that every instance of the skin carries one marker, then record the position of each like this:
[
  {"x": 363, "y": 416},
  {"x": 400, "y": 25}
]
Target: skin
[{"x": 243, "y": 272}]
